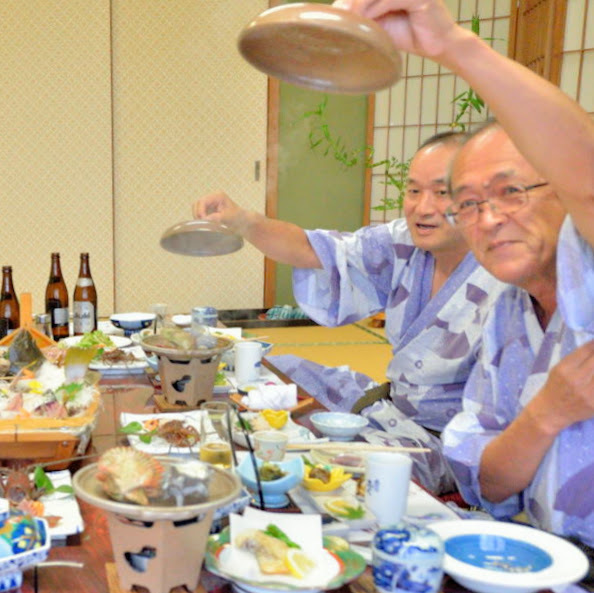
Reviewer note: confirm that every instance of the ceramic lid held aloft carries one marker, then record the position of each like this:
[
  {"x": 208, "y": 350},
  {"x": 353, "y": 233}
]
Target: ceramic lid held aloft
[
  {"x": 200, "y": 238},
  {"x": 321, "y": 47}
]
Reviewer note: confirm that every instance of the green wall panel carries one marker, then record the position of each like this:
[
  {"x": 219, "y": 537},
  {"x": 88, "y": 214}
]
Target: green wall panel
[{"x": 316, "y": 191}]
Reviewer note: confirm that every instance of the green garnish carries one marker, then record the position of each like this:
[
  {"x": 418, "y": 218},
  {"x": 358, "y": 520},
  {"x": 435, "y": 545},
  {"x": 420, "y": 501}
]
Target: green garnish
[
  {"x": 43, "y": 482},
  {"x": 136, "y": 428},
  {"x": 278, "y": 533},
  {"x": 351, "y": 512},
  {"x": 243, "y": 423},
  {"x": 71, "y": 390},
  {"x": 96, "y": 338},
  {"x": 307, "y": 461}
]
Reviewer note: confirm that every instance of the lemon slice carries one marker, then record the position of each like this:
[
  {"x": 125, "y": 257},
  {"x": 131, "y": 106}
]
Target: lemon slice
[
  {"x": 299, "y": 563},
  {"x": 344, "y": 509},
  {"x": 338, "y": 506}
]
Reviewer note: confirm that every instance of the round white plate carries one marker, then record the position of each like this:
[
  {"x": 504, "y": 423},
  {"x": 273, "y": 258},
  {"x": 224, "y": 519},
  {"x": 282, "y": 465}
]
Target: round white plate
[
  {"x": 119, "y": 341},
  {"x": 498, "y": 557}
]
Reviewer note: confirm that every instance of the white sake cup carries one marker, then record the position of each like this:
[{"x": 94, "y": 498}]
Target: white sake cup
[
  {"x": 248, "y": 360},
  {"x": 387, "y": 476},
  {"x": 270, "y": 445}
]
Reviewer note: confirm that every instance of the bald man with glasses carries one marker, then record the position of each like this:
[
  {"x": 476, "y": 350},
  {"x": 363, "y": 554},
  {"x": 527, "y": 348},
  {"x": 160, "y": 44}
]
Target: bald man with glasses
[{"x": 523, "y": 197}]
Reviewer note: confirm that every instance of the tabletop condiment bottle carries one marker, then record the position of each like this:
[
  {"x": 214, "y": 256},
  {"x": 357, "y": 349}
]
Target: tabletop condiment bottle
[
  {"x": 56, "y": 300},
  {"x": 9, "y": 304},
  {"x": 84, "y": 300}
]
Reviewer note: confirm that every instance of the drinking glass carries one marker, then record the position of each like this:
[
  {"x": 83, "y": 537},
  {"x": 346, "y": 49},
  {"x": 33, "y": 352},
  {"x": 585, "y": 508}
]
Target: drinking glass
[
  {"x": 215, "y": 444},
  {"x": 160, "y": 311}
]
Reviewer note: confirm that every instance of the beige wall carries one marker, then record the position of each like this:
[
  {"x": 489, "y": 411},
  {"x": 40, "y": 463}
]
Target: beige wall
[
  {"x": 115, "y": 117},
  {"x": 55, "y": 141},
  {"x": 189, "y": 118}
]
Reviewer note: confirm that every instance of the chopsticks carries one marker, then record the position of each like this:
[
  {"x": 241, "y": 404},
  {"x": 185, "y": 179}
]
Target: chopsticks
[{"x": 354, "y": 446}]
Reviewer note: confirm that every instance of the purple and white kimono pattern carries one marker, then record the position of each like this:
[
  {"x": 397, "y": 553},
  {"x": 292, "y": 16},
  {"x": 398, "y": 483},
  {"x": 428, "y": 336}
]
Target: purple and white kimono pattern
[
  {"x": 514, "y": 364},
  {"x": 434, "y": 340}
]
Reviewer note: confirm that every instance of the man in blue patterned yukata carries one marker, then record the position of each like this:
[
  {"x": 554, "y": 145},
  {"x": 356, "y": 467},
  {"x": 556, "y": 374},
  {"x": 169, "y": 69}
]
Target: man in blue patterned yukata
[
  {"x": 419, "y": 271},
  {"x": 523, "y": 196}
]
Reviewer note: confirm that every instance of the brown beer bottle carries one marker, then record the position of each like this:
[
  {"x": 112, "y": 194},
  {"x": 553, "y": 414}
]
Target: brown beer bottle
[
  {"x": 56, "y": 300},
  {"x": 84, "y": 300},
  {"x": 9, "y": 304}
]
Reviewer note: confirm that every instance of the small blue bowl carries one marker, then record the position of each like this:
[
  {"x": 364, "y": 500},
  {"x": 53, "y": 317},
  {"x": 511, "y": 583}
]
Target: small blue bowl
[
  {"x": 274, "y": 492},
  {"x": 132, "y": 322}
]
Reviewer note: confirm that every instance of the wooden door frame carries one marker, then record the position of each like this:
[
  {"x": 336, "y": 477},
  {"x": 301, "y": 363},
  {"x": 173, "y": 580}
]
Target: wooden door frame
[{"x": 553, "y": 52}]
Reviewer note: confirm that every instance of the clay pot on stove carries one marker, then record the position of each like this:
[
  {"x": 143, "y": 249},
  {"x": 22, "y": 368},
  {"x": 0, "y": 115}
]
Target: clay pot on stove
[
  {"x": 158, "y": 546},
  {"x": 187, "y": 376}
]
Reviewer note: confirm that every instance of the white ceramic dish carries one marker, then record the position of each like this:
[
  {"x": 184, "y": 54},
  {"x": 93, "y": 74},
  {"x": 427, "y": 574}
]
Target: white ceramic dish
[
  {"x": 334, "y": 565},
  {"x": 182, "y": 320},
  {"x": 295, "y": 432},
  {"x": 137, "y": 366},
  {"x": 158, "y": 445},
  {"x": 339, "y": 426},
  {"x": 498, "y": 557},
  {"x": 63, "y": 505},
  {"x": 119, "y": 341}
]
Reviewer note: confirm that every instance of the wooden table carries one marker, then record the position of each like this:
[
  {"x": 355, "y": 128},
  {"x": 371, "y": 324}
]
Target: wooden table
[{"x": 132, "y": 393}]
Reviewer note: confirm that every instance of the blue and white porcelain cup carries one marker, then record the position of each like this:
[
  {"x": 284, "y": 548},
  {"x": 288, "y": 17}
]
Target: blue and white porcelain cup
[
  {"x": 407, "y": 557},
  {"x": 204, "y": 316}
]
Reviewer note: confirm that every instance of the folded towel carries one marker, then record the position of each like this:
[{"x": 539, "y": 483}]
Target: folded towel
[
  {"x": 271, "y": 397},
  {"x": 336, "y": 388}
]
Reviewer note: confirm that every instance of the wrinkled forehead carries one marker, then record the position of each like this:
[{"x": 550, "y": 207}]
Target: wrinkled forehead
[{"x": 487, "y": 155}]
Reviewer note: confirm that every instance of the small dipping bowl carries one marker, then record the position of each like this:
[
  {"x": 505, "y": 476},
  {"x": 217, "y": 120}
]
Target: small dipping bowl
[
  {"x": 339, "y": 426},
  {"x": 275, "y": 491}
]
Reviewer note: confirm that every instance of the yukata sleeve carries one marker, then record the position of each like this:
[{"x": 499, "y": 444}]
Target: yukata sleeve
[
  {"x": 466, "y": 436},
  {"x": 575, "y": 289},
  {"x": 356, "y": 275}
]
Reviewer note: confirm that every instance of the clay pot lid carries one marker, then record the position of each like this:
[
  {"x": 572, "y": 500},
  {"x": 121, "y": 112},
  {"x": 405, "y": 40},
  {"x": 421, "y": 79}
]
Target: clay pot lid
[
  {"x": 321, "y": 47},
  {"x": 200, "y": 238},
  {"x": 224, "y": 487}
]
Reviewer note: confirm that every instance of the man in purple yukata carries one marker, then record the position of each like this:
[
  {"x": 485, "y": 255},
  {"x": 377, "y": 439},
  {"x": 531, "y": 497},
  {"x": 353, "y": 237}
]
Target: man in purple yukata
[
  {"x": 523, "y": 195},
  {"x": 420, "y": 272}
]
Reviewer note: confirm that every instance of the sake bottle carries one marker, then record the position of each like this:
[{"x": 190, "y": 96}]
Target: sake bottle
[
  {"x": 9, "y": 304},
  {"x": 56, "y": 300},
  {"x": 84, "y": 300}
]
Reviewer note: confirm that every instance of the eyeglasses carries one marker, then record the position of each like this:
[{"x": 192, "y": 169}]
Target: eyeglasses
[{"x": 504, "y": 196}]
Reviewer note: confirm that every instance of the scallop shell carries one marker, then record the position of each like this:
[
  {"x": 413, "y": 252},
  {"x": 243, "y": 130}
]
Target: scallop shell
[{"x": 130, "y": 475}]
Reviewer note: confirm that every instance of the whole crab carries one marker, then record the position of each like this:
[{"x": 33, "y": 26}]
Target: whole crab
[{"x": 16, "y": 485}]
